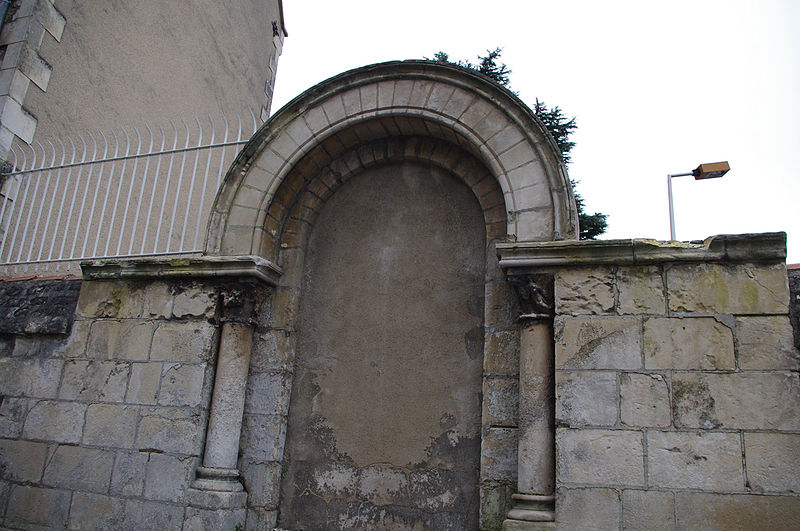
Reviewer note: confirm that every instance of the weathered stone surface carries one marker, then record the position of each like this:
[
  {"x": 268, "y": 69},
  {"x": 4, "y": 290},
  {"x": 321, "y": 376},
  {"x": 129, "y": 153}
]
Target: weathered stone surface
[
  {"x": 110, "y": 425},
  {"x": 500, "y": 401},
  {"x": 12, "y": 416},
  {"x": 262, "y": 482},
  {"x": 38, "y": 306},
  {"x": 182, "y": 384},
  {"x": 55, "y": 421},
  {"x": 22, "y": 460},
  {"x": 167, "y": 477},
  {"x": 773, "y": 461},
  {"x": 586, "y": 398},
  {"x": 644, "y": 400},
  {"x": 203, "y": 519},
  {"x": 598, "y": 343},
  {"x": 272, "y": 351},
  {"x": 77, "y": 468},
  {"x": 171, "y": 429},
  {"x": 183, "y": 341},
  {"x": 499, "y": 454},
  {"x": 110, "y": 299},
  {"x": 268, "y": 393},
  {"x": 37, "y": 508},
  {"x": 143, "y": 384},
  {"x": 720, "y": 512},
  {"x": 53, "y": 346},
  {"x": 501, "y": 352},
  {"x": 263, "y": 437},
  {"x": 765, "y": 343},
  {"x": 94, "y": 511},
  {"x": 648, "y": 509},
  {"x": 501, "y": 306},
  {"x": 736, "y": 289},
  {"x": 258, "y": 519},
  {"x": 92, "y": 380},
  {"x": 584, "y": 290},
  {"x": 688, "y": 343},
  {"x": 33, "y": 378},
  {"x": 587, "y": 508},
  {"x": 383, "y": 485},
  {"x": 128, "y": 475},
  {"x": 153, "y": 515},
  {"x": 157, "y": 300},
  {"x": 641, "y": 290},
  {"x": 698, "y": 460},
  {"x": 765, "y": 401},
  {"x": 599, "y": 457},
  {"x": 194, "y": 301},
  {"x": 120, "y": 340}
]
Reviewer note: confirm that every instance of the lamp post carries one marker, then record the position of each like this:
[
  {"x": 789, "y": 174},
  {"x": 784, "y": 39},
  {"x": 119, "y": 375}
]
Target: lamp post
[{"x": 711, "y": 170}]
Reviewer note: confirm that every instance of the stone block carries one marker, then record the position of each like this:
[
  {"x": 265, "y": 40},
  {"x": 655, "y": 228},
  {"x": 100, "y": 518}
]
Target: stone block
[
  {"x": 499, "y": 454},
  {"x": 203, "y": 519},
  {"x": 153, "y": 515},
  {"x": 78, "y": 468},
  {"x": 648, "y": 509},
  {"x": 584, "y": 290},
  {"x": 599, "y": 457},
  {"x": 195, "y": 301},
  {"x": 95, "y": 511},
  {"x": 641, "y": 290},
  {"x": 272, "y": 351},
  {"x": 598, "y": 343},
  {"x": 258, "y": 519},
  {"x": 22, "y": 461},
  {"x": 501, "y": 352},
  {"x": 120, "y": 340},
  {"x": 33, "y": 378},
  {"x": 587, "y": 508},
  {"x": 37, "y": 508},
  {"x": 268, "y": 393},
  {"x": 501, "y": 306},
  {"x": 495, "y": 503},
  {"x": 700, "y": 510},
  {"x": 167, "y": 477},
  {"x": 695, "y": 460},
  {"x": 757, "y": 401},
  {"x": 263, "y": 437},
  {"x": 773, "y": 461},
  {"x": 92, "y": 381},
  {"x": 143, "y": 383},
  {"x": 765, "y": 343},
  {"x": 127, "y": 478},
  {"x": 586, "y": 398},
  {"x": 12, "y": 416},
  {"x": 110, "y": 425},
  {"x": 169, "y": 429},
  {"x": 262, "y": 482},
  {"x": 644, "y": 400},
  {"x": 688, "y": 343},
  {"x": 182, "y": 384},
  {"x": 183, "y": 341},
  {"x": 38, "y": 306},
  {"x": 157, "y": 300},
  {"x": 500, "y": 401},
  {"x": 49, "y": 420},
  {"x": 102, "y": 298},
  {"x": 728, "y": 289}
]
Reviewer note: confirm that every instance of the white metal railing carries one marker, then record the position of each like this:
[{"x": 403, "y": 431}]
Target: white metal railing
[{"x": 110, "y": 198}]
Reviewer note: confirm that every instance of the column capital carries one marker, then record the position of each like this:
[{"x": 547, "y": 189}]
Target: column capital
[{"x": 535, "y": 293}]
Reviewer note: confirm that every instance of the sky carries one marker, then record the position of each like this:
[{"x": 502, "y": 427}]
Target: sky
[{"x": 656, "y": 87}]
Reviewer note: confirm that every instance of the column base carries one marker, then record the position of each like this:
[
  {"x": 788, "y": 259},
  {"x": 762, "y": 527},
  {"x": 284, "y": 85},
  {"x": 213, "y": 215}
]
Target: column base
[{"x": 531, "y": 512}]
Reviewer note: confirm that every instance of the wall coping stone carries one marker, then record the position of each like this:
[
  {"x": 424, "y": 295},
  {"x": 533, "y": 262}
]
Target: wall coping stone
[
  {"x": 765, "y": 247},
  {"x": 191, "y": 267}
]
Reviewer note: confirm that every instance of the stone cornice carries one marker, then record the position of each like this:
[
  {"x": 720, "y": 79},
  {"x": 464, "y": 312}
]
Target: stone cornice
[
  {"x": 191, "y": 267},
  {"x": 766, "y": 247}
]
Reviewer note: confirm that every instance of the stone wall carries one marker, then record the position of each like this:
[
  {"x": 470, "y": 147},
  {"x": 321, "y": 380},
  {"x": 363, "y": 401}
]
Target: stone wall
[
  {"x": 794, "y": 301},
  {"x": 676, "y": 381},
  {"x": 103, "y": 417}
]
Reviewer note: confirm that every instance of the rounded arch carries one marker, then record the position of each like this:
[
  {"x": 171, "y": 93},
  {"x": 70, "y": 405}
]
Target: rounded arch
[{"x": 331, "y": 123}]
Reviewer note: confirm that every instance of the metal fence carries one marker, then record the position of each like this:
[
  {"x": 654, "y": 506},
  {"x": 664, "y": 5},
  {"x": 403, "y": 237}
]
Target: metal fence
[{"x": 130, "y": 195}]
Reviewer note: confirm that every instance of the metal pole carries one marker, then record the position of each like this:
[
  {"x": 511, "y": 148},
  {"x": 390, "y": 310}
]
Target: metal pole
[{"x": 671, "y": 208}]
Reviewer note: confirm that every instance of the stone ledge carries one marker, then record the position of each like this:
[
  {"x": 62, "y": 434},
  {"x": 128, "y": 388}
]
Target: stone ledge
[
  {"x": 191, "y": 267},
  {"x": 765, "y": 247}
]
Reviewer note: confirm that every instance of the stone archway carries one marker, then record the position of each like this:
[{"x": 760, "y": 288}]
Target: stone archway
[{"x": 449, "y": 124}]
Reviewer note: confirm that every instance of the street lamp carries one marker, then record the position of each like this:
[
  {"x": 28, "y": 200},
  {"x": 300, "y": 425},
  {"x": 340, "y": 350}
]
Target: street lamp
[{"x": 704, "y": 171}]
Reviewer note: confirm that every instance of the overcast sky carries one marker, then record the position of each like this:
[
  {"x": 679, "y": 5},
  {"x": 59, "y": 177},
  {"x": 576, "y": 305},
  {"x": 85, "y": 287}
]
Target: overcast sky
[{"x": 656, "y": 87}]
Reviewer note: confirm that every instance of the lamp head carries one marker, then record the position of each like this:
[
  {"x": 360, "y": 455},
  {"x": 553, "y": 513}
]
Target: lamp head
[{"x": 711, "y": 170}]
